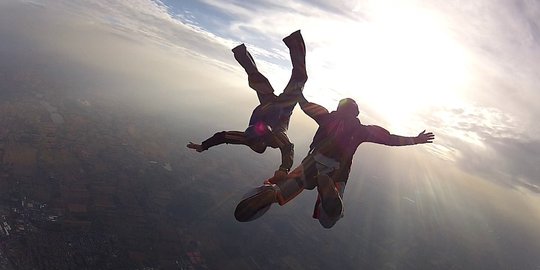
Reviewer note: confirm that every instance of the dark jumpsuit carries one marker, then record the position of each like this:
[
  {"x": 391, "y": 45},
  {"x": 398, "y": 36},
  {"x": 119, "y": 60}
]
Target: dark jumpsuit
[
  {"x": 335, "y": 142},
  {"x": 274, "y": 111}
]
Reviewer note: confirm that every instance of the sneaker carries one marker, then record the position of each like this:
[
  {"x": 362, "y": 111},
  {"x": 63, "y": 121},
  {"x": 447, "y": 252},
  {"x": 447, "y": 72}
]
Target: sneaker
[
  {"x": 245, "y": 59},
  {"x": 255, "y": 203},
  {"x": 239, "y": 49},
  {"x": 295, "y": 39},
  {"x": 330, "y": 199}
]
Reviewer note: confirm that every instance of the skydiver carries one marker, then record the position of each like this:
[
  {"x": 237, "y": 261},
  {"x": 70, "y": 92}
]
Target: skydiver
[
  {"x": 327, "y": 165},
  {"x": 270, "y": 119}
]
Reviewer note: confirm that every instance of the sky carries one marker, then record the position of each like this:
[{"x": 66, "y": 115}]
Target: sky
[{"x": 466, "y": 70}]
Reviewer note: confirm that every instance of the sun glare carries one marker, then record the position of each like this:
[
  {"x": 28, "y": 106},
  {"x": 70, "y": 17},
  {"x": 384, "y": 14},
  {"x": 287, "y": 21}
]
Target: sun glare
[{"x": 400, "y": 63}]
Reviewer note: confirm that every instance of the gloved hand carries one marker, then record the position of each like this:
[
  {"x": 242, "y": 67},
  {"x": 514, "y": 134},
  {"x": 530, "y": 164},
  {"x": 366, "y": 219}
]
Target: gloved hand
[
  {"x": 195, "y": 146},
  {"x": 279, "y": 176}
]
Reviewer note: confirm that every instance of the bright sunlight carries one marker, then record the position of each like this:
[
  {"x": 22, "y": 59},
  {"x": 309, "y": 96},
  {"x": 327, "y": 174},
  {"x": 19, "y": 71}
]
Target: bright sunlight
[{"x": 401, "y": 62}]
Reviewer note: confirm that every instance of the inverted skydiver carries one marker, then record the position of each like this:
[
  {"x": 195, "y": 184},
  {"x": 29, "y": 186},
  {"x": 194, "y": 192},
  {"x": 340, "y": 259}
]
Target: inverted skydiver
[{"x": 270, "y": 119}]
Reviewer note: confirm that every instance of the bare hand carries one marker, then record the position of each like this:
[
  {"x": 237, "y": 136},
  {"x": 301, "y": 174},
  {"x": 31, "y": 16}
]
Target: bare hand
[
  {"x": 424, "y": 137},
  {"x": 195, "y": 146}
]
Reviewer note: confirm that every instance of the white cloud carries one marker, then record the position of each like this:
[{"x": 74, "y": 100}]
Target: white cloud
[
  {"x": 481, "y": 58},
  {"x": 467, "y": 70}
]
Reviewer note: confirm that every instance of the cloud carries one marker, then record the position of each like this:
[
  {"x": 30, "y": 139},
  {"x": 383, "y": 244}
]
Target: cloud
[
  {"x": 488, "y": 142},
  {"x": 495, "y": 111},
  {"x": 482, "y": 118},
  {"x": 495, "y": 131},
  {"x": 132, "y": 51}
]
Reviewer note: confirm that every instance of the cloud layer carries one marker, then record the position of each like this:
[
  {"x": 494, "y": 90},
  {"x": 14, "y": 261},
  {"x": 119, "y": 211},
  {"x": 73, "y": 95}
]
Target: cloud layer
[
  {"x": 484, "y": 114},
  {"x": 480, "y": 101}
]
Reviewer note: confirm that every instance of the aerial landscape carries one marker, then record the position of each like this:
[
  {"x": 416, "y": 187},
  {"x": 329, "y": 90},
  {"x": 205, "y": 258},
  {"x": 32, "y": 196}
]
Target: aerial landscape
[{"x": 98, "y": 100}]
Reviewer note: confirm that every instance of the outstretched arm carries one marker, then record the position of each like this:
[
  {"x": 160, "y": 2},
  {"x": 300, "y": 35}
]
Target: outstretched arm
[
  {"x": 232, "y": 137},
  {"x": 313, "y": 110},
  {"x": 382, "y": 136}
]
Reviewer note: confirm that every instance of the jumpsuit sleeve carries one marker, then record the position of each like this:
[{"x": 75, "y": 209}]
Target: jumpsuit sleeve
[
  {"x": 232, "y": 137},
  {"x": 313, "y": 110},
  {"x": 377, "y": 134},
  {"x": 287, "y": 151}
]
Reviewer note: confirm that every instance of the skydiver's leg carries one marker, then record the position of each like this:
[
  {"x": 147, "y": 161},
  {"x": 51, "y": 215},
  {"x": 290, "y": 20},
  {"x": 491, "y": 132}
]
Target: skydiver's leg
[
  {"x": 297, "y": 51},
  {"x": 256, "y": 80},
  {"x": 291, "y": 187},
  {"x": 325, "y": 219},
  {"x": 256, "y": 203},
  {"x": 330, "y": 198},
  {"x": 288, "y": 99}
]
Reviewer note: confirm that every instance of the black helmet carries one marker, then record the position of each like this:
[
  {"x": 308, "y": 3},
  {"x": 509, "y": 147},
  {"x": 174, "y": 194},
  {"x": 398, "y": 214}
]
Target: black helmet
[{"x": 348, "y": 106}]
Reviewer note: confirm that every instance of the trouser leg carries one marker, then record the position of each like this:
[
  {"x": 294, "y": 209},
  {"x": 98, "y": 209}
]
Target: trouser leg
[
  {"x": 293, "y": 90},
  {"x": 256, "y": 80},
  {"x": 297, "y": 51},
  {"x": 330, "y": 199},
  {"x": 329, "y": 206},
  {"x": 244, "y": 58},
  {"x": 256, "y": 202},
  {"x": 291, "y": 187},
  {"x": 326, "y": 219}
]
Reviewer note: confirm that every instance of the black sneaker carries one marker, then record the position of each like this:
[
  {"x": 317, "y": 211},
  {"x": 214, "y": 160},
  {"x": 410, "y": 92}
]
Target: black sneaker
[
  {"x": 330, "y": 199},
  {"x": 239, "y": 49},
  {"x": 255, "y": 203},
  {"x": 295, "y": 39},
  {"x": 244, "y": 58}
]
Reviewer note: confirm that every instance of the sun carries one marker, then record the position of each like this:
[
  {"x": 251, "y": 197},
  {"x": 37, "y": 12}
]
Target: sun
[{"x": 399, "y": 64}]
